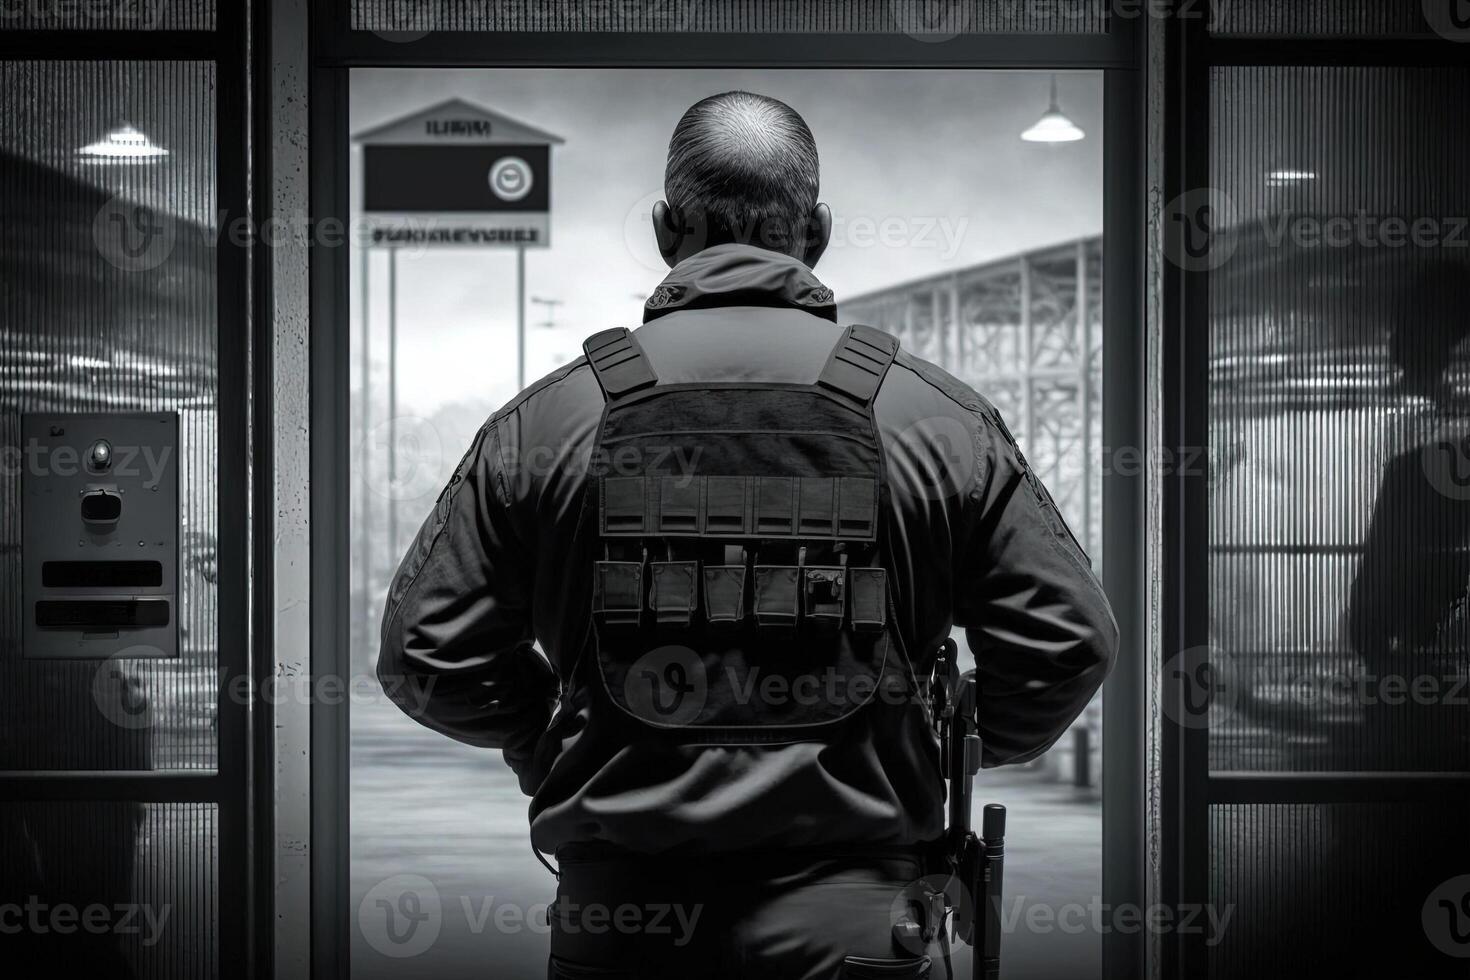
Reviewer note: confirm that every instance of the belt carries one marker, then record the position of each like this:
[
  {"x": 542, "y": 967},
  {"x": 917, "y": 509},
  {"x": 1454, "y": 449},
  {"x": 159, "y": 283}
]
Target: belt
[{"x": 927, "y": 853}]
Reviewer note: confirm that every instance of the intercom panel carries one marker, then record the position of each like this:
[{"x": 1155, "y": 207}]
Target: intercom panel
[{"x": 100, "y": 535}]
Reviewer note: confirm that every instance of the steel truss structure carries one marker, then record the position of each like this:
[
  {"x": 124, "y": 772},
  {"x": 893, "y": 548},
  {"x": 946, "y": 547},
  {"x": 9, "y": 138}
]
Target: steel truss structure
[{"x": 1026, "y": 332}]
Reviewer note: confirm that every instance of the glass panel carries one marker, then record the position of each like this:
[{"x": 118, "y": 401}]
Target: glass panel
[
  {"x": 107, "y": 187},
  {"x": 932, "y": 245},
  {"x": 1339, "y": 406},
  {"x": 1344, "y": 890},
  {"x": 924, "y": 18},
  {"x": 110, "y": 889},
  {"x": 108, "y": 15},
  {"x": 1015, "y": 330},
  {"x": 1340, "y": 18}
]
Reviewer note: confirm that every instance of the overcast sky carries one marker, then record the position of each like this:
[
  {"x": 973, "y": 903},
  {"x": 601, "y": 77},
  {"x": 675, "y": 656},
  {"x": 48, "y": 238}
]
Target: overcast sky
[{"x": 931, "y": 157}]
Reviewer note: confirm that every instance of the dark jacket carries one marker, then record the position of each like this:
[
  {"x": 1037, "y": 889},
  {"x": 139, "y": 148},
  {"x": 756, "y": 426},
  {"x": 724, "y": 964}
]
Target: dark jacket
[{"x": 974, "y": 541}]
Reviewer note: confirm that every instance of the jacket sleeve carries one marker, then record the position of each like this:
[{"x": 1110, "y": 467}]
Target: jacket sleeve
[
  {"x": 1035, "y": 615},
  {"x": 456, "y": 650}
]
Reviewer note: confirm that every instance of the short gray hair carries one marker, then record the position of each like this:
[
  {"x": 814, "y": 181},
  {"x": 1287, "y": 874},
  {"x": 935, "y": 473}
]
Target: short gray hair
[{"x": 743, "y": 168}]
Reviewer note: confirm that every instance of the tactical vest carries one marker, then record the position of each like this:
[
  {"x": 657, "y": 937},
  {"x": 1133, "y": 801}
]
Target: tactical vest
[{"x": 739, "y": 587}]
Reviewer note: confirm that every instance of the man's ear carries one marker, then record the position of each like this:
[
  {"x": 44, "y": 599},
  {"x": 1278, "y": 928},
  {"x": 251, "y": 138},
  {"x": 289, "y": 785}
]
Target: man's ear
[
  {"x": 818, "y": 236},
  {"x": 667, "y": 232}
]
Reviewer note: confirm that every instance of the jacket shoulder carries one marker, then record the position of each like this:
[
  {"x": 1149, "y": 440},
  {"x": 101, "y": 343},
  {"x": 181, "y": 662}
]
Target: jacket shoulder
[
  {"x": 551, "y": 380},
  {"x": 936, "y": 378}
]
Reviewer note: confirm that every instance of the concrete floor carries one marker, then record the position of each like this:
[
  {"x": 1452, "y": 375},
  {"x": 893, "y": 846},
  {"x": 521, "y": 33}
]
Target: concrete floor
[{"x": 432, "y": 817}]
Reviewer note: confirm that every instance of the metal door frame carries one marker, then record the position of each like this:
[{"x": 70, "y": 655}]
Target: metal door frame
[
  {"x": 1188, "y": 788},
  {"x": 243, "y": 649},
  {"x": 335, "y": 48}
]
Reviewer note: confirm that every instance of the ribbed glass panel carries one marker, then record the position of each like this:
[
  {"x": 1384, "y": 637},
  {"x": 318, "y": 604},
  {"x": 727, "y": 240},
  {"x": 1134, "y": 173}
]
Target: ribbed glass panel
[
  {"x": 922, "y": 17},
  {"x": 107, "y": 15},
  {"x": 1343, "y": 890},
  {"x": 1339, "y": 18},
  {"x": 109, "y": 890},
  {"x": 1339, "y": 406},
  {"x": 108, "y": 304}
]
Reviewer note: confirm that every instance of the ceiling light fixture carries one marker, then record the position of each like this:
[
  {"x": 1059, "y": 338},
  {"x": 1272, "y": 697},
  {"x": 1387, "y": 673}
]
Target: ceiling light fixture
[
  {"x": 123, "y": 145},
  {"x": 1053, "y": 126}
]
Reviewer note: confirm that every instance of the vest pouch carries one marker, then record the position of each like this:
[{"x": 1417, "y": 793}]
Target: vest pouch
[
  {"x": 724, "y": 595},
  {"x": 869, "y": 587},
  {"x": 673, "y": 595},
  {"x": 777, "y": 593},
  {"x": 824, "y": 591},
  {"x": 617, "y": 594}
]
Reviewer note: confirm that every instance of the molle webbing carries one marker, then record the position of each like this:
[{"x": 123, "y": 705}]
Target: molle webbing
[
  {"x": 619, "y": 362},
  {"x": 858, "y": 363}
]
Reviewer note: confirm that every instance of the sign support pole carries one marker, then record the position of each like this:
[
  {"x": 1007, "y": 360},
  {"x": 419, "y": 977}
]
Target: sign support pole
[
  {"x": 392, "y": 400},
  {"x": 520, "y": 318},
  {"x": 365, "y": 537}
]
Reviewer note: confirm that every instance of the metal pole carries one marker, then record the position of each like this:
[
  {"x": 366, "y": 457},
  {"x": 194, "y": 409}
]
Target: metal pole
[
  {"x": 520, "y": 318},
  {"x": 365, "y": 424},
  {"x": 1028, "y": 359},
  {"x": 1081, "y": 756},
  {"x": 392, "y": 399},
  {"x": 1084, "y": 344}
]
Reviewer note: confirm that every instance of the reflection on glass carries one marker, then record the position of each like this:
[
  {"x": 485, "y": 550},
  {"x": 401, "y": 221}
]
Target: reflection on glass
[
  {"x": 1339, "y": 401},
  {"x": 109, "y": 305}
]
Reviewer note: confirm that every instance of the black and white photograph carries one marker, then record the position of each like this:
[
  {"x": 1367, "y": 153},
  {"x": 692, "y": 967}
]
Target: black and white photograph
[{"x": 724, "y": 489}]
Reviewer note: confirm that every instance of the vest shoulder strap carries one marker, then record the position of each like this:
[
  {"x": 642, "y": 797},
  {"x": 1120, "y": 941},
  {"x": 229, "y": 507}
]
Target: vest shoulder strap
[
  {"x": 619, "y": 363},
  {"x": 858, "y": 363}
]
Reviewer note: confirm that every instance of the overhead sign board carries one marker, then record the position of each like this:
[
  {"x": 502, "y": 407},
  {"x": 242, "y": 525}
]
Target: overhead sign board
[{"x": 457, "y": 174}]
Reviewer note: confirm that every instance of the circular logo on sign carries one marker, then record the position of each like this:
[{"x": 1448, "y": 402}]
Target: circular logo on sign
[
  {"x": 667, "y": 686},
  {"x": 510, "y": 178}
]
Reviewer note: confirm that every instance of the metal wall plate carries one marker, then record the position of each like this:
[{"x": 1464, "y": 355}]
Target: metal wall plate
[{"x": 100, "y": 539}]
